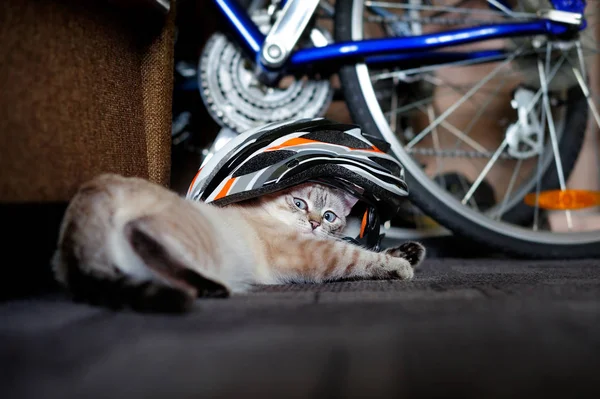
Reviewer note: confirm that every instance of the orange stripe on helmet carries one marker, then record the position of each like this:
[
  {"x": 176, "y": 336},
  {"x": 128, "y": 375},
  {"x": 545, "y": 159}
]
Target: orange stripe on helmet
[
  {"x": 225, "y": 189},
  {"x": 194, "y": 180},
  {"x": 300, "y": 141},
  {"x": 291, "y": 143},
  {"x": 374, "y": 149},
  {"x": 363, "y": 224}
]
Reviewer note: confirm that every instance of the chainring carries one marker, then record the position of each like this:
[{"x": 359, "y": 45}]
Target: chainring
[{"x": 234, "y": 97}]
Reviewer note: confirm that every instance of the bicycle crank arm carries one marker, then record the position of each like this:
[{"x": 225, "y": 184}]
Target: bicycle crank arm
[{"x": 286, "y": 31}]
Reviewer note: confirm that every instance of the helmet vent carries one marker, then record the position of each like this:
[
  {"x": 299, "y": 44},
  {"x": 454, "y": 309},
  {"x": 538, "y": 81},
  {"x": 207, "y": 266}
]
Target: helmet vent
[
  {"x": 263, "y": 160},
  {"x": 386, "y": 163},
  {"x": 337, "y": 137}
]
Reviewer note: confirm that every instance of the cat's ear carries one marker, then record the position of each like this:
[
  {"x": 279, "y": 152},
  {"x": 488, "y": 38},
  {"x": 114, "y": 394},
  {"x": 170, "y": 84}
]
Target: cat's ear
[{"x": 349, "y": 201}]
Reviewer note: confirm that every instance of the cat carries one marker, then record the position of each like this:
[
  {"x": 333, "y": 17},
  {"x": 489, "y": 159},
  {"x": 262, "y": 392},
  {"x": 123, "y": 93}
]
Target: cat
[{"x": 125, "y": 241}]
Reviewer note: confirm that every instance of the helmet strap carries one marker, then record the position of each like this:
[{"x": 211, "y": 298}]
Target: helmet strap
[{"x": 369, "y": 236}]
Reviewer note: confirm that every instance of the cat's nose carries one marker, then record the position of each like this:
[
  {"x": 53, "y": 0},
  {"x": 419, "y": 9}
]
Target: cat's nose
[{"x": 314, "y": 224}]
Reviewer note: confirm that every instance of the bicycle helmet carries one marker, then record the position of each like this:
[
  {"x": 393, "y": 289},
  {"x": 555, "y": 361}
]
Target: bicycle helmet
[{"x": 284, "y": 154}]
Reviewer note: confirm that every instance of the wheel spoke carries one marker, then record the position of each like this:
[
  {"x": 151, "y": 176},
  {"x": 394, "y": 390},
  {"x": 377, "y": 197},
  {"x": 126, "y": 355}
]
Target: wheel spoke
[
  {"x": 513, "y": 178},
  {"x": 328, "y": 8},
  {"x": 481, "y": 110},
  {"x": 425, "y": 20},
  {"x": 465, "y": 187},
  {"x": 588, "y": 96},
  {"x": 459, "y": 134},
  {"x": 439, "y": 82},
  {"x": 485, "y": 171},
  {"x": 405, "y": 73},
  {"x": 468, "y": 95},
  {"x": 586, "y": 92},
  {"x": 434, "y": 136},
  {"x": 552, "y": 130},
  {"x": 445, "y": 9},
  {"x": 550, "y": 76},
  {"x": 415, "y": 14},
  {"x": 503, "y": 8},
  {"x": 410, "y": 106},
  {"x": 427, "y": 100},
  {"x": 485, "y": 105},
  {"x": 538, "y": 172},
  {"x": 478, "y": 115},
  {"x": 419, "y": 70},
  {"x": 394, "y": 105}
]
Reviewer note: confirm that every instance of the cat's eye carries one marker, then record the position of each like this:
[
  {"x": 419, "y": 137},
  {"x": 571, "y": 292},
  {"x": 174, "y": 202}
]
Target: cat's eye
[
  {"x": 300, "y": 204},
  {"x": 329, "y": 216}
]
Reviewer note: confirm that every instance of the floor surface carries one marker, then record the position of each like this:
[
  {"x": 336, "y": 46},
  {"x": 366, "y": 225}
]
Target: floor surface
[{"x": 476, "y": 328}]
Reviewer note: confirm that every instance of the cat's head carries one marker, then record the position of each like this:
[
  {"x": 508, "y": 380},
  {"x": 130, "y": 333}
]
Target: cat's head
[{"x": 311, "y": 208}]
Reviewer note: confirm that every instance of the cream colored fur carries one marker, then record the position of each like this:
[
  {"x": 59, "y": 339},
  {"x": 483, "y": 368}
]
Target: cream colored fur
[{"x": 114, "y": 226}]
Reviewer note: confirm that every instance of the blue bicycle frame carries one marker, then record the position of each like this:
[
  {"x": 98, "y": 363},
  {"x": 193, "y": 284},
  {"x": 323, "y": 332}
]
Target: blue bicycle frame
[{"x": 394, "y": 49}]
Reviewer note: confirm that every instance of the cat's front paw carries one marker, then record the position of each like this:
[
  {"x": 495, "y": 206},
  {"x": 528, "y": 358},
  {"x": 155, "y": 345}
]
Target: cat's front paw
[
  {"x": 399, "y": 268},
  {"x": 412, "y": 251}
]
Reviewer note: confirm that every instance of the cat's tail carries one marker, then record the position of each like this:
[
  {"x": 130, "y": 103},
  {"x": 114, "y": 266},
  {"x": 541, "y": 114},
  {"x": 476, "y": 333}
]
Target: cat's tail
[
  {"x": 121, "y": 291},
  {"x": 106, "y": 258},
  {"x": 167, "y": 285}
]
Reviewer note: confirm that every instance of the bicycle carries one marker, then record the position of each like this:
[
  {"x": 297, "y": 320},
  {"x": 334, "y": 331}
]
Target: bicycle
[{"x": 395, "y": 84}]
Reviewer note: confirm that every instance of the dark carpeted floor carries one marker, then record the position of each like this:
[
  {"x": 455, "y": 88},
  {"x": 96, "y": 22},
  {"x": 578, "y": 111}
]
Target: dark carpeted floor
[{"x": 463, "y": 328}]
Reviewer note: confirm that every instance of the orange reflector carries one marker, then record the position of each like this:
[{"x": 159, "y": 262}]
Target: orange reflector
[{"x": 564, "y": 199}]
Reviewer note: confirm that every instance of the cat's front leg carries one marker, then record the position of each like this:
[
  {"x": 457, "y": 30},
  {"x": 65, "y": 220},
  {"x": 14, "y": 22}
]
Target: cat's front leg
[
  {"x": 317, "y": 260},
  {"x": 397, "y": 262}
]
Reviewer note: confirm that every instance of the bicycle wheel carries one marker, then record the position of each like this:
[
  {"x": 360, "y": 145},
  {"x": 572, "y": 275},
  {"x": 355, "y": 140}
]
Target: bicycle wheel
[{"x": 465, "y": 112}]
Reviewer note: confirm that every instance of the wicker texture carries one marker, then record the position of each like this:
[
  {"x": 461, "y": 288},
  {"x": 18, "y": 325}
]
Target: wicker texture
[{"x": 85, "y": 88}]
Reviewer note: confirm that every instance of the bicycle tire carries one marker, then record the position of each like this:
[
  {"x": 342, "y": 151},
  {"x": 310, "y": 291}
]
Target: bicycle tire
[{"x": 438, "y": 207}]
